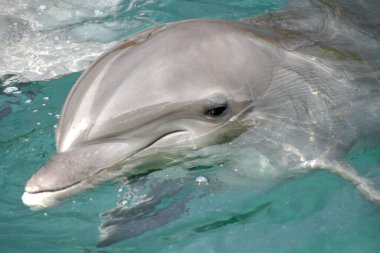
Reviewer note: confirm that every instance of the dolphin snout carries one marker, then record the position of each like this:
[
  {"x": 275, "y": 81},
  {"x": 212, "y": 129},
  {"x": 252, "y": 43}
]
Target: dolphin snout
[
  {"x": 51, "y": 177},
  {"x": 69, "y": 172},
  {"x": 54, "y": 180},
  {"x": 62, "y": 171},
  {"x": 31, "y": 186},
  {"x": 40, "y": 186}
]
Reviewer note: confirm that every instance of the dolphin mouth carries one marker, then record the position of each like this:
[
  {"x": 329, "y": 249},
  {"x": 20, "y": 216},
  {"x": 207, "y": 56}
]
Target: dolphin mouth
[
  {"x": 44, "y": 189},
  {"x": 42, "y": 199},
  {"x": 39, "y": 199},
  {"x": 31, "y": 189}
]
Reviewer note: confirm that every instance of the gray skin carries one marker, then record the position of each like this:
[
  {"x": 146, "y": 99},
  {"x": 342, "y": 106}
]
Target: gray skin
[{"x": 167, "y": 94}]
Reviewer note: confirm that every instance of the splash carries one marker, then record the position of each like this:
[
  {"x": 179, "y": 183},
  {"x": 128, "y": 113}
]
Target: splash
[{"x": 42, "y": 39}]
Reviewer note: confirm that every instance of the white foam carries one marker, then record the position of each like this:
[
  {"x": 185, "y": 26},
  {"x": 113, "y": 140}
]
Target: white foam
[
  {"x": 43, "y": 39},
  {"x": 10, "y": 89}
]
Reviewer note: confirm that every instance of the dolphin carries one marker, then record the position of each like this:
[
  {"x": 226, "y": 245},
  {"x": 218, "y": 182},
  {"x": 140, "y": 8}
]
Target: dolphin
[{"x": 297, "y": 95}]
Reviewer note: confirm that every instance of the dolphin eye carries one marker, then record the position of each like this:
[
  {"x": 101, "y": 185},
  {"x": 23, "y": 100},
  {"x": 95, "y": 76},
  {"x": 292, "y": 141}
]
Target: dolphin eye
[{"x": 216, "y": 111}]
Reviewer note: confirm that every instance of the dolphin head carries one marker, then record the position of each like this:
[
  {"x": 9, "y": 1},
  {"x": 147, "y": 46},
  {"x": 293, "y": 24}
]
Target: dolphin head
[{"x": 164, "y": 91}]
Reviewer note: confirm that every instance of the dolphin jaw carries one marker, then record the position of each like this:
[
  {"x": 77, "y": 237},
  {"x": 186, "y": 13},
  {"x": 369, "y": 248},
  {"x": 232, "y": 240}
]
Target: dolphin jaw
[{"x": 39, "y": 200}]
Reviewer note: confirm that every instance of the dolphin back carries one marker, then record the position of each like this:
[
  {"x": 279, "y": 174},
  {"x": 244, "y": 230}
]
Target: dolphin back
[{"x": 332, "y": 30}]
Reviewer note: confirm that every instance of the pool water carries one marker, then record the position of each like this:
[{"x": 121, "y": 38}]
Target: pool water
[{"x": 316, "y": 212}]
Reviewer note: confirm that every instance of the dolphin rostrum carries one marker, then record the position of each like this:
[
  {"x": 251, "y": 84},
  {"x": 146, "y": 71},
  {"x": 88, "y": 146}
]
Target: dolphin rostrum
[{"x": 177, "y": 89}]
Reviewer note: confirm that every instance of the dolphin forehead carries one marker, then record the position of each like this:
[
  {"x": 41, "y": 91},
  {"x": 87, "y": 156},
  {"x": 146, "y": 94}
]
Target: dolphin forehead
[{"x": 183, "y": 62}]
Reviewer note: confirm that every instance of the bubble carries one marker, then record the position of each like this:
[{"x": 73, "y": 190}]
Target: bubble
[
  {"x": 45, "y": 98},
  {"x": 28, "y": 101},
  {"x": 98, "y": 13},
  {"x": 11, "y": 89},
  {"x": 123, "y": 202},
  {"x": 201, "y": 180}
]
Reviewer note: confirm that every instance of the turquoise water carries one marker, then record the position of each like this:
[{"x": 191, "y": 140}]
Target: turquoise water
[{"x": 316, "y": 212}]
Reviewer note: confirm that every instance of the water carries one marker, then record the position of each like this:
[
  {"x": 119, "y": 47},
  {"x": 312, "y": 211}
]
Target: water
[{"x": 316, "y": 212}]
